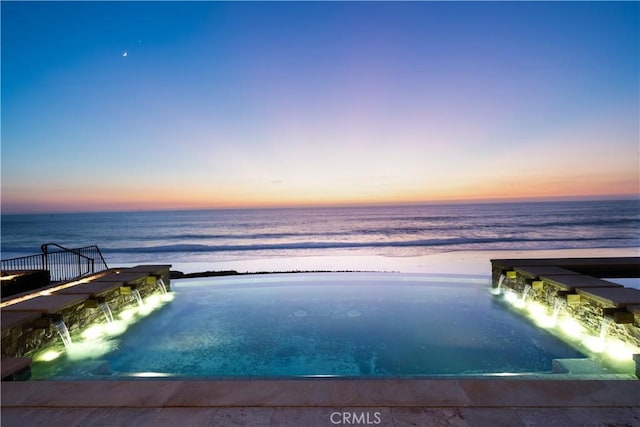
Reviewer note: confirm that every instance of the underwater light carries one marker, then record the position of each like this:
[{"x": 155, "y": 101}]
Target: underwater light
[
  {"x": 518, "y": 303},
  {"x": 93, "y": 332},
  {"x": 116, "y": 327},
  {"x": 321, "y": 376},
  {"x": 48, "y": 356},
  {"x": 539, "y": 315},
  {"x": 89, "y": 349},
  {"x": 511, "y": 297},
  {"x": 621, "y": 351},
  {"x": 145, "y": 309},
  {"x": 536, "y": 310},
  {"x": 505, "y": 374},
  {"x": 594, "y": 344},
  {"x": 153, "y": 301},
  {"x": 151, "y": 374},
  {"x": 571, "y": 327},
  {"x": 128, "y": 314}
]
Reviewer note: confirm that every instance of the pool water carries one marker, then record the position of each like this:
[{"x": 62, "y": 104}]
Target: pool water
[{"x": 327, "y": 324}]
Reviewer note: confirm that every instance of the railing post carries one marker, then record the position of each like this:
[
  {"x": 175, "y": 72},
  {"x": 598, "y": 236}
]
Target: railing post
[
  {"x": 60, "y": 264},
  {"x": 45, "y": 257}
]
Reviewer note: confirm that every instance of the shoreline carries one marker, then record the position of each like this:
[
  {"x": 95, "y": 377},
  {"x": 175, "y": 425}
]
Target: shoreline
[
  {"x": 176, "y": 275},
  {"x": 458, "y": 262}
]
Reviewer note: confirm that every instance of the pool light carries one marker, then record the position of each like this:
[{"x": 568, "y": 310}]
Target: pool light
[
  {"x": 150, "y": 374},
  {"x": 47, "y": 356}
]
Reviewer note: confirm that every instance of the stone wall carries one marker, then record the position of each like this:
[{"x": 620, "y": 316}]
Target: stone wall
[
  {"x": 26, "y": 339},
  {"x": 588, "y": 311},
  {"x": 23, "y": 281}
]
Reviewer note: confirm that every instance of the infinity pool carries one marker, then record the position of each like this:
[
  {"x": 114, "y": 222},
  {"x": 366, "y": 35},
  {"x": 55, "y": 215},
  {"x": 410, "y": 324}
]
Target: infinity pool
[{"x": 325, "y": 324}]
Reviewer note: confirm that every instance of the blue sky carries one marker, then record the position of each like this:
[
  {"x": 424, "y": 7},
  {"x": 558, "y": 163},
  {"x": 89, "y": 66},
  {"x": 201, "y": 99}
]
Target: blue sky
[{"x": 223, "y": 104}]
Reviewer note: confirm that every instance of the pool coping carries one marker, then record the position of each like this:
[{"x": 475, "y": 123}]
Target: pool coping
[
  {"x": 460, "y": 402},
  {"x": 322, "y": 393}
]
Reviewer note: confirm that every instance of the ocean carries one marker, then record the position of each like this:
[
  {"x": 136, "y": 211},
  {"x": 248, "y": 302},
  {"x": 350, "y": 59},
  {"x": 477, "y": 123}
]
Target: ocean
[{"x": 219, "y": 238}]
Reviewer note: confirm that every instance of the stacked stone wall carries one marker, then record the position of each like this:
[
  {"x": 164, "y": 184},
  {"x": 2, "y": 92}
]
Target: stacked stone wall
[
  {"x": 26, "y": 339},
  {"x": 588, "y": 311}
]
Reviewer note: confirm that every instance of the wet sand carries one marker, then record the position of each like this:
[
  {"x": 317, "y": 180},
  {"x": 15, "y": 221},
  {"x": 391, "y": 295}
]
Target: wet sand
[{"x": 455, "y": 262}]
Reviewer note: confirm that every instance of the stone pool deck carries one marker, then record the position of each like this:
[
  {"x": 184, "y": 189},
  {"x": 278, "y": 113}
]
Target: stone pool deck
[{"x": 323, "y": 402}]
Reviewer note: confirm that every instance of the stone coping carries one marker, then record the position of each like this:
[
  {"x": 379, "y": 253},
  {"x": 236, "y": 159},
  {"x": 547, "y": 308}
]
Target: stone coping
[
  {"x": 613, "y": 267},
  {"x": 11, "y": 365},
  {"x": 152, "y": 268},
  {"x": 563, "y": 262},
  {"x": 94, "y": 289},
  {"x": 47, "y": 304},
  {"x": 322, "y": 393},
  {"x": 544, "y": 270},
  {"x": 571, "y": 282},
  {"x": 617, "y": 297},
  {"x": 125, "y": 277},
  {"x": 9, "y": 319},
  {"x": 634, "y": 308}
]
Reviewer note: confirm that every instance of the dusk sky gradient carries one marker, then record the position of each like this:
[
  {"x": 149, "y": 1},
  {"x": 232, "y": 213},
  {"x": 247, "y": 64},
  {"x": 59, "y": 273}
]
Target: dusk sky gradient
[{"x": 248, "y": 104}]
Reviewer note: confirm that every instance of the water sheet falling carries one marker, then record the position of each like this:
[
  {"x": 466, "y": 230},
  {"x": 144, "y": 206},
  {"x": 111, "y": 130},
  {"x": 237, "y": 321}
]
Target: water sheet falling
[
  {"x": 104, "y": 306},
  {"x": 558, "y": 305},
  {"x": 61, "y": 327},
  {"x": 525, "y": 293},
  {"x": 138, "y": 297},
  {"x": 498, "y": 289},
  {"x": 162, "y": 286},
  {"x": 604, "y": 328}
]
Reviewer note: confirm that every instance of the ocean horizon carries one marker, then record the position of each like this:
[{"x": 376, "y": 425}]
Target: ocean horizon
[{"x": 237, "y": 237}]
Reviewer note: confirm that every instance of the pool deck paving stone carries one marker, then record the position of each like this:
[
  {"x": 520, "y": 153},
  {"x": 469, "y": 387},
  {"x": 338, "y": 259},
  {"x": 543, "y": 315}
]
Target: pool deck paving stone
[
  {"x": 616, "y": 297},
  {"x": 577, "y": 281},
  {"x": 150, "y": 269},
  {"x": 47, "y": 304},
  {"x": 488, "y": 402},
  {"x": 126, "y": 277},
  {"x": 611, "y": 267},
  {"x": 545, "y": 270},
  {"x": 92, "y": 288},
  {"x": 633, "y": 308},
  {"x": 11, "y": 365}
]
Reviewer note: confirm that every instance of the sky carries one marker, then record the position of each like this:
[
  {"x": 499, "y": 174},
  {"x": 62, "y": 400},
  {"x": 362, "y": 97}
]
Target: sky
[{"x": 169, "y": 105}]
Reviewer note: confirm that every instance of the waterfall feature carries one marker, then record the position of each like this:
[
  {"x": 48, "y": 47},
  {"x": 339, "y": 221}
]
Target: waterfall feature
[
  {"x": 104, "y": 306},
  {"x": 525, "y": 293},
  {"x": 558, "y": 305},
  {"x": 604, "y": 328},
  {"x": 162, "y": 286},
  {"x": 498, "y": 289},
  {"x": 136, "y": 294},
  {"x": 61, "y": 327}
]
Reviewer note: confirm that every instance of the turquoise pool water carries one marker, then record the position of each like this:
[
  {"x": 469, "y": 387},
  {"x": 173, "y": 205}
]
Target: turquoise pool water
[{"x": 325, "y": 324}]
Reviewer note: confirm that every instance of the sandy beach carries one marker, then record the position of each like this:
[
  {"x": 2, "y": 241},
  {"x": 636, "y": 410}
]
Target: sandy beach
[{"x": 455, "y": 262}]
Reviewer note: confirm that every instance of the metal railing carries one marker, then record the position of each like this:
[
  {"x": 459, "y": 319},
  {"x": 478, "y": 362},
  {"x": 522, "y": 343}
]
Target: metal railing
[{"x": 62, "y": 263}]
